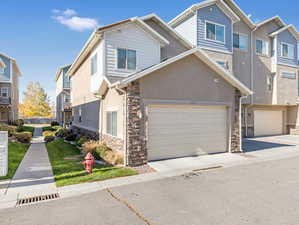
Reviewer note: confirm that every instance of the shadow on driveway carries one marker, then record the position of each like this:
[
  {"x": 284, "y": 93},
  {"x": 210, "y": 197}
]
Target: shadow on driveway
[{"x": 255, "y": 145}]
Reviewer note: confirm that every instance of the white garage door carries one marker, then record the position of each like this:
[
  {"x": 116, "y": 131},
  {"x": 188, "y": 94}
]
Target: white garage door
[
  {"x": 268, "y": 122},
  {"x": 178, "y": 131}
]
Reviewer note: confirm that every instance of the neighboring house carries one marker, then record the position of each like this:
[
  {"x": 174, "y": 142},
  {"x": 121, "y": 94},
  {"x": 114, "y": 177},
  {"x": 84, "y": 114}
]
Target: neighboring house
[
  {"x": 151, "y": 94},
  {"x": 63, "y": 96},
  {"x": 9, "y": 89},
  {"x": 262, "y": 56}
]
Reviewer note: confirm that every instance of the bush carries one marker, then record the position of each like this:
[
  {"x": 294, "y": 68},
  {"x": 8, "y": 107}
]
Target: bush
[
  {"x": 49, "y": 138},
  {"x": 18, "y": 122},
  {"x": 10, "y": 129},
  {"x": 23, "y": 137},
  {"x": 56, "y": 128},
  {"x": 100, "y": 150},
  {"x": 49, "y": 133},
  {"x": 71, "y": 137},
  {"x": 63, "y": 133},
  {"x": 82, "y": 140},
  {"x": 54, "y": 123},
  {"x": 25, "y": 129}
]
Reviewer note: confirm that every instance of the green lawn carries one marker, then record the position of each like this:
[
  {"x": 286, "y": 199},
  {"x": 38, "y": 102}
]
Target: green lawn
[
  {"x": 67, "y": 168},
  {"x": 16, "y": 152}
]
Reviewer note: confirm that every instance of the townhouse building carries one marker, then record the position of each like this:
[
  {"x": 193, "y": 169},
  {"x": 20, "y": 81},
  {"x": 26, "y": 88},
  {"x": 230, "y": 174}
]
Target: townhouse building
[
  {"x": 262, "y": 56},
  {"x": 63, "y": 96},
  {"x": 9, "y": 89},
  {"x": 154, "y": 90}
]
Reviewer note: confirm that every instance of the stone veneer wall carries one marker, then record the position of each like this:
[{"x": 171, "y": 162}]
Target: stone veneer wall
[
  {"x": 235, "y": 139},
  {"x": 136, "y": 141},
  {"x": 116, "y": 144}
]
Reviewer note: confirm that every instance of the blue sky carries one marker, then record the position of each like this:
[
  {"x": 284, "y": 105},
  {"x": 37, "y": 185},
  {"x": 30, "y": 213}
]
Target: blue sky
[{"x": 43, "y": 35}]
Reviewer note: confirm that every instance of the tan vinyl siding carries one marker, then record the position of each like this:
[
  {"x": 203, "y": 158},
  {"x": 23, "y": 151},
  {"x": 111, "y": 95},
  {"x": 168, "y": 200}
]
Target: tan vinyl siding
[
  {"x": 174, "y": 48},
  {"x": 114, "y": 102}
]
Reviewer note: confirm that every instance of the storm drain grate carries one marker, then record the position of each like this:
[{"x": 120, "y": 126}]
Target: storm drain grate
[{"x": 35, "y": 199}]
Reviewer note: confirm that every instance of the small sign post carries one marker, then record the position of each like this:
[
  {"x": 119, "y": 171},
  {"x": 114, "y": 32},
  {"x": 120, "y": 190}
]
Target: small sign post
[{"x": 3, "y": 153}]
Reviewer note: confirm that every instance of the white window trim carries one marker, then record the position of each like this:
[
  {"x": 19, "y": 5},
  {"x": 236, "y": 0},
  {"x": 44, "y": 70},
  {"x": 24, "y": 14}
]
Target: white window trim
[
  {"x": 7, "y": 91},
  {"x": 106, "y": 131},
  {"x": 281, "y": 50},
  {"x": 264, "y": 40},
  {"x": 288, "y": 77},
  {"x": 218, "y": 24},
  {"x": 243, "y": 34},
  {"x": 95, "y": 54},
  {"x": 125, "y": 70}
]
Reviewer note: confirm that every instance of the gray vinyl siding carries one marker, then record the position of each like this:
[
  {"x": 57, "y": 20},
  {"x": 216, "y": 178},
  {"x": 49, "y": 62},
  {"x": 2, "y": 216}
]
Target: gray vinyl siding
[
  {"x": 213, "y": 14},
  {"x": 287, "y": 37},
  {"x": 90, "y": 114},
  {"x": 7, "y": 70}
]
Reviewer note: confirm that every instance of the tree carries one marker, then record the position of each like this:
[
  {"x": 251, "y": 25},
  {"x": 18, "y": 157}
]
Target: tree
[{"x": 36, "y": 102}]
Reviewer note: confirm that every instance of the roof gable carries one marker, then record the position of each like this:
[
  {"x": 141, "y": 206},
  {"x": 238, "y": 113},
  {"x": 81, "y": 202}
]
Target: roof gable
[
  {"x": 276, "y": 19},
  {"x": 227, "y": 11},
  {"x": 226, "y": 75},
  {"x": 291, "y": 28},
  {"x": 97, "y": 35}
]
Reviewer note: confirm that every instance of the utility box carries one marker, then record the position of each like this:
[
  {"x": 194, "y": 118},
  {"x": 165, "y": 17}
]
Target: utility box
[{"x": 3, "y": 153}]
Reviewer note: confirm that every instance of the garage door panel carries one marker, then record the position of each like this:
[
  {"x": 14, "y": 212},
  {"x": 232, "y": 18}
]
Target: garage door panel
[
  {"x": 177, "y": 131},
  {"x": 268, "y": 122}
]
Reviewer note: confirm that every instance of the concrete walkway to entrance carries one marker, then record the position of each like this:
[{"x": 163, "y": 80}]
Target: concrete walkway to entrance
[{"x": 34, "y": 175}]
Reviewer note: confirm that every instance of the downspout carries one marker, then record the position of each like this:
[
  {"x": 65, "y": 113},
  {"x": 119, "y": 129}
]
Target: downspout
[
  {"x": 101, "y": 115},
  {"x": 125, "y": 124},
  {"x": 240, "y": 120}
]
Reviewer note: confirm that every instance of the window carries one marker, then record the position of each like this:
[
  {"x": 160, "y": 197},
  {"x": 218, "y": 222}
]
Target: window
[
  {"x": 1, "y": 70},
  {"x": 270, "y": 83},
  {"x": 240, "y": 41},
  {"x": 67, "y": 98},
  {"x": 126, "y": 59},
  {"x": 223, "y": 64},
  {"x": 80, "y": 114},
  {"x": 288, "y": 75},
  {"x": 215, "y": 32},
  {"x": 94, "y": 65},
  {"x": 4, "y": 92},
  {"x": 262, "y": 47},
  {"x": 287, "y": 51},
  {"x": 112, "y": 123}
]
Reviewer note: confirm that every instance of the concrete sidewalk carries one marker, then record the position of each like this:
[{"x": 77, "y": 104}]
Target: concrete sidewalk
[{"x": 34, "y": 175}]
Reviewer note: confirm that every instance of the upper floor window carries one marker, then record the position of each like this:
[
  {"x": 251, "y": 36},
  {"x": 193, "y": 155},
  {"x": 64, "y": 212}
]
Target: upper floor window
[
  {"x": 240, "y": 41},
  {"x": 4, "y": 92},
  {"x": 94, "y": 65},
  {"x": 262, "y": 47},
  {"x": 223, "y": 64},
  {"x": 126, "y": 59},
  {"x": 287, "y": 50},
  {"x": 112, "y": 123},
  {"x": 288, "y": 75},
  {"x": 215, "y": 32},
  {"x": 67, "y": 98}
]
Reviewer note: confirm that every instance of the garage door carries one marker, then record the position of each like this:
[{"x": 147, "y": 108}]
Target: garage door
[
  {"x": 178, "y": 131},
  {"x": 268, "y": 122}
]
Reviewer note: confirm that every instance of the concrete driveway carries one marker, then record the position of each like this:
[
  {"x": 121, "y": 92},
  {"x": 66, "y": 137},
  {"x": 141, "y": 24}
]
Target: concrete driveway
[
  {"x": 255, "y": 149},
  {"x": 256, "y": 194}
]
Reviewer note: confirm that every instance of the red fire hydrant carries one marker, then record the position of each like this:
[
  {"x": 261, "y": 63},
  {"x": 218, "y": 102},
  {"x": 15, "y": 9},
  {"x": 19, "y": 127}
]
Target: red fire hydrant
[{"x": 88, "y": 162}]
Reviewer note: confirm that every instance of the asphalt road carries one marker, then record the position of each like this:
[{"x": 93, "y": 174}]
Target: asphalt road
[{"x": 263, "y": 193}]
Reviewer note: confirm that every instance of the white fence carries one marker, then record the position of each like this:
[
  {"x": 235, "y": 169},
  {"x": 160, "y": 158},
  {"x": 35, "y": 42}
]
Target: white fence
[{"x": 3, "y": 153}]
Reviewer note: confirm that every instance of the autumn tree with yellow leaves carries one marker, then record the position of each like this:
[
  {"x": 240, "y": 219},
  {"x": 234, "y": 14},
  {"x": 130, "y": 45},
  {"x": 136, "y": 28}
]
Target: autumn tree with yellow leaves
[{"x": 36, "y": 102}]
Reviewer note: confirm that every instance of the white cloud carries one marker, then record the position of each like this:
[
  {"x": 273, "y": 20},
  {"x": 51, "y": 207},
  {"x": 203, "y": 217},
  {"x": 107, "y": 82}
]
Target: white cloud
[
  {"x": 69, "y": 19},
  {"x": 69, "y": 12}
]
